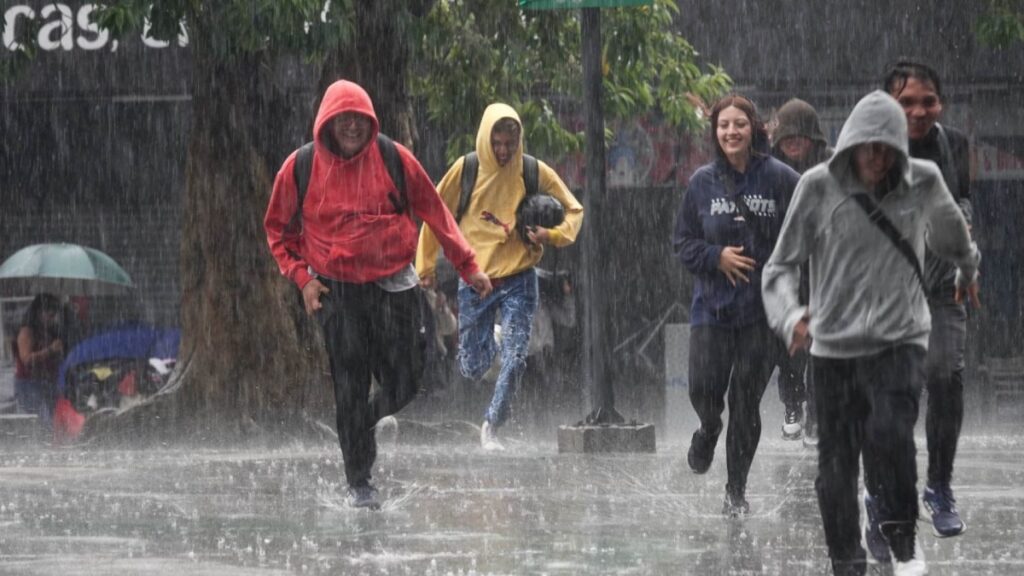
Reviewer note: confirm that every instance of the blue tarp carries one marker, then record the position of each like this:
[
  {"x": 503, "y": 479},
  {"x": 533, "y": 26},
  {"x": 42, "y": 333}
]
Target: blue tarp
[{"x": 121, "y": 343}]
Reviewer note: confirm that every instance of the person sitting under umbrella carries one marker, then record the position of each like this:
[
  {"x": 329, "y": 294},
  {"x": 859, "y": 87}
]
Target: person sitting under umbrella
[{"x": 38, "y": 351}]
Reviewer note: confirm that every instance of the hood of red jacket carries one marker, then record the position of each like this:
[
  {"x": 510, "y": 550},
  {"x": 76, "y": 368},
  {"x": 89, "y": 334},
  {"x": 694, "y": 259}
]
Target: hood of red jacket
[{"x": 342, "y": 96}]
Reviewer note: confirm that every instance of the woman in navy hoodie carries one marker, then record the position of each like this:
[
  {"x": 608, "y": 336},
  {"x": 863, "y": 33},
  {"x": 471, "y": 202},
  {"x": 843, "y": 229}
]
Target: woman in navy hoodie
[{"x": 725, "y": 231}]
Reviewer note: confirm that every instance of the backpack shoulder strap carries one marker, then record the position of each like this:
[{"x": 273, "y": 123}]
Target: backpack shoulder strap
[
  {"x": 393, "y": 163},
  {"x": 531, "y": 174},
  {"x": 301, "y": 171},
  {"x": 470, "y": 166}
]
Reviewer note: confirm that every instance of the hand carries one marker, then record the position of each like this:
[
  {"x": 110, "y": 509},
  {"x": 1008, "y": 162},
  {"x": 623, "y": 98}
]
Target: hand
[
  {"x": 428, "y": 282},
  {"x": 481, "y": 283},
  {"x": 733, "y": 264},
  {"x": 801, "y": 336},
  {"x": 311, "y": 293},
  {"x": 971, "y": 293},
  {"x": 538, "y": 234}
]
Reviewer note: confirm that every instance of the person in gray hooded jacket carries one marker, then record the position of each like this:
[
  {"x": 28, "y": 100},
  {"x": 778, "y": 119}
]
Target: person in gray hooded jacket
[{"x": 867, "y": 320}]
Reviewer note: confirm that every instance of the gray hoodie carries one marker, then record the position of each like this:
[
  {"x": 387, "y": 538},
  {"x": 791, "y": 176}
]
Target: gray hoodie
[{"x": 865, "y": 295}]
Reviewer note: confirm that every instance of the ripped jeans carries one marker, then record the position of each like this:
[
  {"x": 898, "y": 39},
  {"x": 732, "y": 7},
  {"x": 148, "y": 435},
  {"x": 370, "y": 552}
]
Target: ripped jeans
[{"x": 516, "y": 298}]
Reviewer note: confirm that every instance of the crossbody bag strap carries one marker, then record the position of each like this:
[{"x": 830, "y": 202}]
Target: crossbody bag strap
[{"x": 879, "y": 219}]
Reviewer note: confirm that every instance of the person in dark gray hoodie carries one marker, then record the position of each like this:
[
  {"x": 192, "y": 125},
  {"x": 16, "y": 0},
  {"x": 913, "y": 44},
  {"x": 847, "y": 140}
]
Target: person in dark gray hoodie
[
  {"x": 862, "y": 221},
  {"x": 799, "y": 141}
]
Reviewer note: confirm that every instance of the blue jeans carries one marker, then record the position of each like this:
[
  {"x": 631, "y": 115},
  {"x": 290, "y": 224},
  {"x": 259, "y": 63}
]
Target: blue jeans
[
  {"x": 34, "y": 397},
  {"x": 516, "y": 298}
]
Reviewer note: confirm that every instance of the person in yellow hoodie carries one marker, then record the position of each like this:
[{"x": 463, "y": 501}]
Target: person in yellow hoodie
[{"x": 489, "y": 225}]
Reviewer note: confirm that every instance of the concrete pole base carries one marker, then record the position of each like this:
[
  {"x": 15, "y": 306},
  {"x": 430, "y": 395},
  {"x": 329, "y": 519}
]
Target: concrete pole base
[{"x": 605, "y": 438}]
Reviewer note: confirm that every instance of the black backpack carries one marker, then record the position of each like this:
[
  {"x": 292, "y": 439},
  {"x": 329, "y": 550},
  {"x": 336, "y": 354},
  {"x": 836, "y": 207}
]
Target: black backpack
[
  {"x": 470, "y": 167},
  {"x": 303, "y": 169}
]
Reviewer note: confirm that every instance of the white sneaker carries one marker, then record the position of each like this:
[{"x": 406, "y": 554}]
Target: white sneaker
[
  {"x": 488, "y": 438},
  {"x": 387, "y": 429},
  {"x": 914, "y": 566}
]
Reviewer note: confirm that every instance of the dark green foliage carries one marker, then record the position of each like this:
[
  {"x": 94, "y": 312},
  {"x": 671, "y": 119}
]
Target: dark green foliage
[
  {"x": 529, "y": 59},
  {"x": 1002, "y": 24}
]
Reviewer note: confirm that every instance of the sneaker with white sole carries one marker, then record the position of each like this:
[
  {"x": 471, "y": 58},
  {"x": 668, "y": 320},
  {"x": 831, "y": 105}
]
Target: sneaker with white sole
[
  {"x": 874, "y": 540},
  {"x": 939, "y": 501},
  {"x": 489, "y": 439},
  {"x": 792, "y": 426}
]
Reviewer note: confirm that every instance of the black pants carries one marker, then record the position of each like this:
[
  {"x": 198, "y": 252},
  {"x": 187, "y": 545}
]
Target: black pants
[
  {"x": 945, "y": 381},
  {"x": 792, "y": 391},
  {"x": 737, "y": 361},
  {"x": 867, "y": 405},
  {"x": 370, "y": 333}
]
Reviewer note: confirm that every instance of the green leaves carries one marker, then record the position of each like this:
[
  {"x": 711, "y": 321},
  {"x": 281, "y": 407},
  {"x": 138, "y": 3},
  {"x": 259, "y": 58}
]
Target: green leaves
[
  {"x": 531, "y": 60},
  {"x": 1002, "y": 25}
]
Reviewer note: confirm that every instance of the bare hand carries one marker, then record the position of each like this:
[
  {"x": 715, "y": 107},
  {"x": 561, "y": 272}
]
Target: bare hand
[
  {"x": 481, "y": 283},
  {"x": 538, "y": 235},
  {"x": 801, "y": 336},
  {"x": 733, "y": 264},
  {"x": 311, "y": 293},
  {"x": 428, "y": 282},
  {"x": 970, "y": 293}
]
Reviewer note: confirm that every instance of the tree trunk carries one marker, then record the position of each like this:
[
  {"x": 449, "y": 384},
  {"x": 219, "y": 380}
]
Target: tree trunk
[
  {"x": 248, "y": 353},
  {"x": 378, "y": 61}
]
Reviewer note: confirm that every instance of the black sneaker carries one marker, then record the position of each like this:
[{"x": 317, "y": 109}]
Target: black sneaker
[
  {"x": 856, "y": 566},
  {"x": 876, "y": 542},
  {"x": 938, "y": 499},
  {"x": 792, "y": 427},
  {"x": 735, "y": 504},
  {"x": 701, "y": 453},
  {"x": 364, "y": 496}
]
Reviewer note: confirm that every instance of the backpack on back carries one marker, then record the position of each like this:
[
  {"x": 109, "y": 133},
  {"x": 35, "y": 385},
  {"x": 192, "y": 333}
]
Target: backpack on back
[
  {"x": 470, "y": 167},
  {"x": 303, "y": 169}
]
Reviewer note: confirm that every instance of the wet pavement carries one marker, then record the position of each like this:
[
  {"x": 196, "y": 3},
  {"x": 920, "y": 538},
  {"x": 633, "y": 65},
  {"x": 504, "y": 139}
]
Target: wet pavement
[{"x": 453, "y": 509}]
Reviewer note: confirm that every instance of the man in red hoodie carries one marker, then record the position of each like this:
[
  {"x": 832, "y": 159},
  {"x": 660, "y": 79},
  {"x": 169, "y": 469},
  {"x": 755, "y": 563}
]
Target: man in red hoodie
[{"x": 349, "y": 247}]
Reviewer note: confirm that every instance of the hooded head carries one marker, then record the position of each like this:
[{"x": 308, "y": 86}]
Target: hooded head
[
  {"x": 876, "y": 119},
  {"x": 798, "y": 139},
  {"x": 499, "y": 141},
  {"x": 345, "y": 122},
  {"x": 797, "y": 118}
]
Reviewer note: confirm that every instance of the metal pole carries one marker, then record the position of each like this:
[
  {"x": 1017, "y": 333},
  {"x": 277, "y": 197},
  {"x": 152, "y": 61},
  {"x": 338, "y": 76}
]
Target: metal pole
[{"x": 595, "y": 304}]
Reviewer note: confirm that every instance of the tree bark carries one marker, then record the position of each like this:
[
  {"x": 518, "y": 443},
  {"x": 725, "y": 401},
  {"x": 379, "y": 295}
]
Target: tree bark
[
  {"x": 248, "y": 354},
  {"x": 379, "y": 60}
]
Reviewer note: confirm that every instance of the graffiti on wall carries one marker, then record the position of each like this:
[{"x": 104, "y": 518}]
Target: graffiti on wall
[{"x": 63, "y": 28}]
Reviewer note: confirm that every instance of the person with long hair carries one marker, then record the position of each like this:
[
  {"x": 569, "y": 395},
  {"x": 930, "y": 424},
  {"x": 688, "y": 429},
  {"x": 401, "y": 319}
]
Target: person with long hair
[
  {"x": 38, "y": 351},
  {"x": 725, "y": 231}
]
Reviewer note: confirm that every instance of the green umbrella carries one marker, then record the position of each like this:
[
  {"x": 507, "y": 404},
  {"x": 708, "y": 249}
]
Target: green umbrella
[{"x": 62, "y": 269}]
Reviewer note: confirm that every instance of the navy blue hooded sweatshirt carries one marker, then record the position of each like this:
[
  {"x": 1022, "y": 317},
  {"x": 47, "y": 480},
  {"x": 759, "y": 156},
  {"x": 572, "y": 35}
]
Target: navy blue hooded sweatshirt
[{"x": 709, "y": 220}]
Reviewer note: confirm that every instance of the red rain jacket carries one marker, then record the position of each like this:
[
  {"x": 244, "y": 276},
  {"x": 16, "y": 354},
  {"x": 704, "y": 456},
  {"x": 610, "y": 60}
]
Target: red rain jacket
[{"x": 350, "y": 230}]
